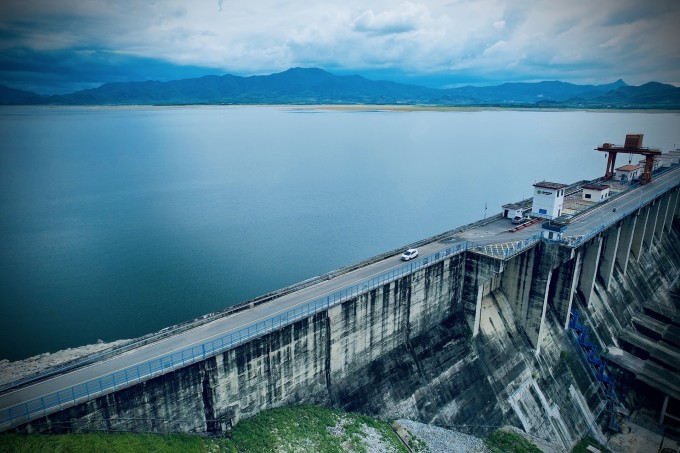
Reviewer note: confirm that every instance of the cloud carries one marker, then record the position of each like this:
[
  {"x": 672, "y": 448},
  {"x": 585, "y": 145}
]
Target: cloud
[
  {"x": 405, "y": 19},
  {"x": 65, "y": 71},
  {"x": 460, "y": 41}
]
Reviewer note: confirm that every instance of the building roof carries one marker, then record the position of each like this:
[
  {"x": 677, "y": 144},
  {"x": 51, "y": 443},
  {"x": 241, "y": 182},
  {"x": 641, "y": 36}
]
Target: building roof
[
  {"x": 628, "y": 168},
  {"x": 549, "y": 185},
  {"x": 513, "y": 206},
  {"x": 595, "y": 186}
]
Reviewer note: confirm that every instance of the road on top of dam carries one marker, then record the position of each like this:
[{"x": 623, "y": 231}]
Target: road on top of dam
[{"x": 494, "y": 232}]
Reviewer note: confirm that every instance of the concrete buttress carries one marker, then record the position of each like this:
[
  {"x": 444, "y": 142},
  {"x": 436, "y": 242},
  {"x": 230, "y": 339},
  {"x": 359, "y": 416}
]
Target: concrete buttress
[
  {"x": 591, "y": 259},
  {"x": 563, "y": 286},
  {"x": 610, "y": 245},
  {"x": 672, "y": 207},
  {"x": 625, "y": 241},
  {"x": 664, "y": 202},
  {"x": 481, "y": 276},
  {"x": 526, "y": 281},
  {"x": 651, "y": 222}
]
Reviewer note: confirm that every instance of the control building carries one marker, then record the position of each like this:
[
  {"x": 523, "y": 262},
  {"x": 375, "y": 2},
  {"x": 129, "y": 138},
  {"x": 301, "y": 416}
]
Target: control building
[
  {"x": 548, "y": 199},
  {"x": 512, "y": 210},
  {"x": 628, "y": 172},
  {"x": 595, "y": 192}
]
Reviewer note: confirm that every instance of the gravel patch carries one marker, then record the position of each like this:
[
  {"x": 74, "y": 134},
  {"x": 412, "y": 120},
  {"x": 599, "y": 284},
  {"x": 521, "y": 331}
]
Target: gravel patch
[
  {"x": 371, "y": 438},
  {"x": 375, "y": 442},
  {"x": 13, "y": 371},
  {"x": 440, "y": 440}
]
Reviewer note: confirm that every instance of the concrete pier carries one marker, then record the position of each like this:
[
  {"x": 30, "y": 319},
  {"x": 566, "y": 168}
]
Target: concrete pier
[
  {"x": 639, "y": 234},
  {"x": 481, "y": 276},
  {"x": 591, "y": 259},
  {"x": 664, "y": 203},
  {"x": 625, "y": 241},
  {"x": 651, "y": 222},
  {"x": 672, "y": 208},
  {"x": 610, "y": 245},
  {"x": 563, "y": 287}
]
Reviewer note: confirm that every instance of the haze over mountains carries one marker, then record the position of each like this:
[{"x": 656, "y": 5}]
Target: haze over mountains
[{"x": 316, "y": 86}]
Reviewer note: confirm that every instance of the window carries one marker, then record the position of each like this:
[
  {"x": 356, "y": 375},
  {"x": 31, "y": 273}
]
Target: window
[
  {"x": 587, "y": 195},
  {"x": 542, "y": 211}
]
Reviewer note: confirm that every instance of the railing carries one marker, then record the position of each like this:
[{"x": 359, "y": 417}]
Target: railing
[
  {"x": 71, "y": 396},
  {"x": 576, "y": 241},
  {"x": 507, "y": 250},
  {"x": 178, "y": 328}
]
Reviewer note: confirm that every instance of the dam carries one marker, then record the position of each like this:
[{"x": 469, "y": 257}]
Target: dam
[{"x": 559, "y": 326}]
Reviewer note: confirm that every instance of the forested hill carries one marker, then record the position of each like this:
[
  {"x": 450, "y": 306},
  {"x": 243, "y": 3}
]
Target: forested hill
[{"x": 316, "y": 86}]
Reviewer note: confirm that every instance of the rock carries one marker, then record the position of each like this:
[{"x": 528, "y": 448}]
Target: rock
[{"x": 440, "y": 440}]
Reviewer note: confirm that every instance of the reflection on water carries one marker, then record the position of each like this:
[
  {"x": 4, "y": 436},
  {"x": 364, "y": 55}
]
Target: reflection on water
[{"x": 119, "y": 222}]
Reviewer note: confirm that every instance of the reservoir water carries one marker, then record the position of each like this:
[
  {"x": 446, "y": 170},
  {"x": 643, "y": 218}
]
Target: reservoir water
[{"x": 117, "y": 222}]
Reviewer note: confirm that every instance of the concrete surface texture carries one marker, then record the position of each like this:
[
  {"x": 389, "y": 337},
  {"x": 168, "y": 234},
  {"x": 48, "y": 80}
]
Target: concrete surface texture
[{"x": 471, "y": 343}]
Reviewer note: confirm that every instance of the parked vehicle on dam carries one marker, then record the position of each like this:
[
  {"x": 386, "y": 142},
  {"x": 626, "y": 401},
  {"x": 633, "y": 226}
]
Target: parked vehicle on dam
[
  {"x": 519, "y": 220},
  {"x": 409, "y": 254}
]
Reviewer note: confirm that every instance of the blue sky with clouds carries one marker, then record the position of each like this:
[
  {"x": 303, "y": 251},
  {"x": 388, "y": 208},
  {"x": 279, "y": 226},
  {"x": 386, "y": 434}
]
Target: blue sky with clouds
[{"x": 56, "y": 46}]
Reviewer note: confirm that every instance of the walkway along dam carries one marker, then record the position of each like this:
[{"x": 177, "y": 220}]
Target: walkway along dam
[{"x": 559, "y": 327}]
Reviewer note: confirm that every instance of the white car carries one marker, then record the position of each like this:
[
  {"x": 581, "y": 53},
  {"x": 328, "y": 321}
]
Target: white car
[{"x": 409, "y": 254}]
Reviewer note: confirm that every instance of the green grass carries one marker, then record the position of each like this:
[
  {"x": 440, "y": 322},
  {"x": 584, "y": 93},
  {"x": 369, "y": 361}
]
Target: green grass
[
  {"x": 309, "y": 428},
  {"x": 583, "y": 445},
  {"x": 286, "y": 429},
  {"x": 118, "y": 442},
  {"x": 508, "y": 442}
]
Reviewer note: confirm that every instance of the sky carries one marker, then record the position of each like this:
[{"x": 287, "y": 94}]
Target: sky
[{"x": 59, "y": 46}]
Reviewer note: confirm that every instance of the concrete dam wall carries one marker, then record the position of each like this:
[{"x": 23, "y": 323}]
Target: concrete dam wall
[{"x": 472, "y": 342}]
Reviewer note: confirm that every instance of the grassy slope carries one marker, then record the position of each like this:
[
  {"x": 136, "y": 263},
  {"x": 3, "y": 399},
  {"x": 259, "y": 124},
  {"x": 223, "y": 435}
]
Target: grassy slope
[
  {"x": 118, "y": 442},
  {"x": 296, "y": 428},
  {"x": 286, "y": 429}
]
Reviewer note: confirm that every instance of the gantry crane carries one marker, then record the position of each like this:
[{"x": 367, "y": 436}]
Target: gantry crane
[{"x": 632, "y": 145}]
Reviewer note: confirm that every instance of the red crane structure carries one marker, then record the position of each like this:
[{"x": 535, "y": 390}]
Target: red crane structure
[{"x": 632, "y": 145}]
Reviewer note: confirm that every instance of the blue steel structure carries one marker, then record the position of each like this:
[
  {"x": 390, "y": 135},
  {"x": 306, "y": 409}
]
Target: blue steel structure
[{"x": 597, "y": 366}]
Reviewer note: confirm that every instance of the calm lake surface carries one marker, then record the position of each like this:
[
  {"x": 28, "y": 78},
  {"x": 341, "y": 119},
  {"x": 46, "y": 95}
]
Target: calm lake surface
[{"x": 117, "y": 222}]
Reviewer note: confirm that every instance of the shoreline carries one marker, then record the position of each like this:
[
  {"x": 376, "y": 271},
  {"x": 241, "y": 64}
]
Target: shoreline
[{"x": 356, "y": 108}]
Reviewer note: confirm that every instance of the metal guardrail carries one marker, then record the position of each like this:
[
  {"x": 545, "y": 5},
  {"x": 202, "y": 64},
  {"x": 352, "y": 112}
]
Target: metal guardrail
[
  {"x": 577, "y": 241},
  {"x": 507, "y": 250},
  {"x": 41, "y": 406},
  {"x": 178, "y": 328},
  {"x": 38, "y": 407}
]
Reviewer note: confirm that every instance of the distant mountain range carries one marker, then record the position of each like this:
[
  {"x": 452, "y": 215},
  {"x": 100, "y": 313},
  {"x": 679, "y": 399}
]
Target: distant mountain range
[{"x": 316, "y": 86}]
